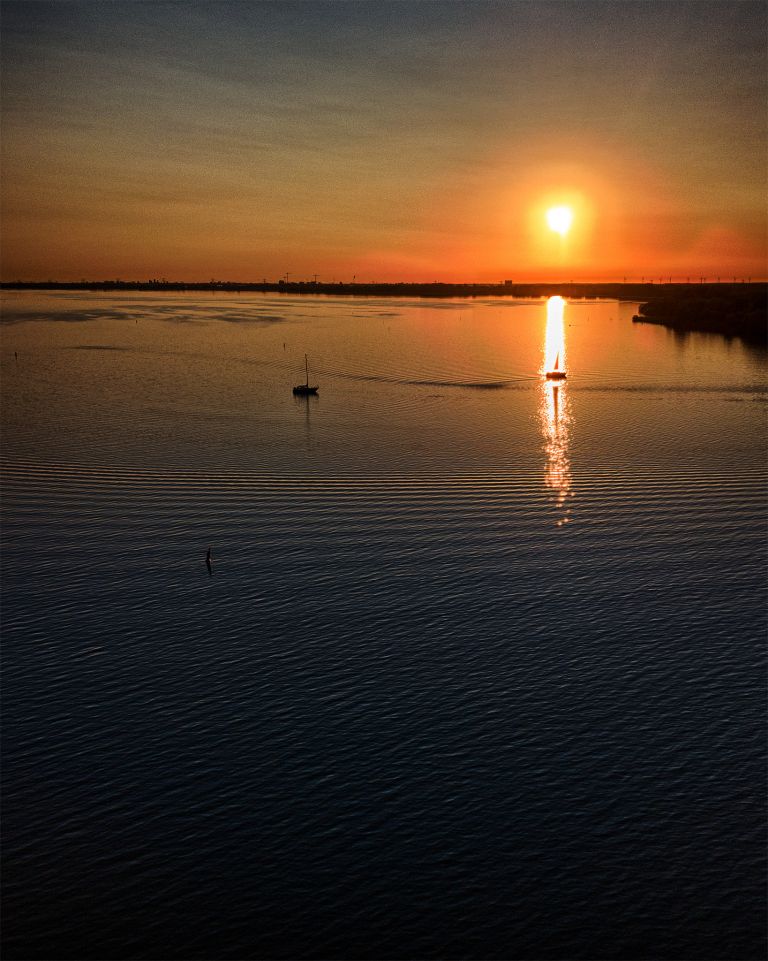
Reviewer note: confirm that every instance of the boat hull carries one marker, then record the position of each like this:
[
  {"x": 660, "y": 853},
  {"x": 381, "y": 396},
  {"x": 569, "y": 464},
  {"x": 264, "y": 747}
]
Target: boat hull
[
  {"x": 555, "y": 375},
  {"x": 304, "y": 390}
]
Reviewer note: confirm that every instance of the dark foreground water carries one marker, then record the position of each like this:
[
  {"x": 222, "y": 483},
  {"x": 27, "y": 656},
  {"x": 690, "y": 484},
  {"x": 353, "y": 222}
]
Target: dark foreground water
[{"x": 481, "y": 670}]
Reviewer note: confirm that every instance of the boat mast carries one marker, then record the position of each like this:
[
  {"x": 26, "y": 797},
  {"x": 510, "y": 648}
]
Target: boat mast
[{"x": 306, "y": 368}]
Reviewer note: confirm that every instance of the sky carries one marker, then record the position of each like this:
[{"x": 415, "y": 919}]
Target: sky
[{"x": 406, "y": 141}]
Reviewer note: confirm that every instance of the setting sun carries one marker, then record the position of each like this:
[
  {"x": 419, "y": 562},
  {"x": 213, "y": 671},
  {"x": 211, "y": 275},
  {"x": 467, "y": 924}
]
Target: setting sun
[{"x": 559, "y": 219}]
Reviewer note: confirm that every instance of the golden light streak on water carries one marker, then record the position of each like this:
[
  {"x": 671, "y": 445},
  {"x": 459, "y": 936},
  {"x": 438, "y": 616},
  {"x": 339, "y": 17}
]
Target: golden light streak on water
[
  {"x": 555, "y": 412},
  {"x": 556, "y": 422},
  {"x": 554, "y": 342}
]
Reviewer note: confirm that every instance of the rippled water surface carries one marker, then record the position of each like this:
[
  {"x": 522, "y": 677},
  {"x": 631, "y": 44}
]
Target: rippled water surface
[{"x": 480, "y": 673}]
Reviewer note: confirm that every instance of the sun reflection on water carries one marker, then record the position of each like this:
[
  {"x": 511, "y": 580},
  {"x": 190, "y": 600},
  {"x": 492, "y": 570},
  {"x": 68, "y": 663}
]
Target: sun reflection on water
[
  {"x": 554, "y": 343},
  {"x": 555, "y": 413}
]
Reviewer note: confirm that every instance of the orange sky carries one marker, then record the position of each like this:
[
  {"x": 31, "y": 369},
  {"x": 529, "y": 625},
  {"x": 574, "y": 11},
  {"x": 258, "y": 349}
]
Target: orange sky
[{"x": 406, "y": 142}]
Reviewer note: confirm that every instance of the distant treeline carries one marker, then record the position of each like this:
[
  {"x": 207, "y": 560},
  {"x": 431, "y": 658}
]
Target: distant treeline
[
  {"x": 733, "y": 309},
  {"x": 618, "y": 291}
]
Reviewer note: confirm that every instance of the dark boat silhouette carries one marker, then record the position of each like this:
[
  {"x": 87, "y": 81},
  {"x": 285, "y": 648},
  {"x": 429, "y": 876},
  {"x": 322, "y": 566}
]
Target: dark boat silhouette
[
  {"x": 556, "y": 373},
  {"x": 305, "y": 388}
]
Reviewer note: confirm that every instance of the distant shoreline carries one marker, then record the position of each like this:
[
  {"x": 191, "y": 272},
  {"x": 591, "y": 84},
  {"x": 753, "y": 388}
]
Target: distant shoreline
[
  {"x": 613, "y": 291},
  {"x": 731, "y": 309}
]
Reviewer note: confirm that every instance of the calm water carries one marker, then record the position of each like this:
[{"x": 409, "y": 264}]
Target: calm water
[{"x": 481, "y": 671}]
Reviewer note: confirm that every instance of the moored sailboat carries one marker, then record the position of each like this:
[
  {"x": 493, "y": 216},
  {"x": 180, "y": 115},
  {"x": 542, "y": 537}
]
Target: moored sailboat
[{"x": 304, "y": 389}]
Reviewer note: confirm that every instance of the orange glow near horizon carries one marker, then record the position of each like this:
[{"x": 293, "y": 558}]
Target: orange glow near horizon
[
  {"x": 495, "y": 230},
  {"x": 276, "y": 141}
]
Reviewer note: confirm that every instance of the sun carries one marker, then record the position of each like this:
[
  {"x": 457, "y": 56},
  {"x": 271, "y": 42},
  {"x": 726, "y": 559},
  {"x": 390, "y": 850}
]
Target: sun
[{"x": 560, "y": 219}]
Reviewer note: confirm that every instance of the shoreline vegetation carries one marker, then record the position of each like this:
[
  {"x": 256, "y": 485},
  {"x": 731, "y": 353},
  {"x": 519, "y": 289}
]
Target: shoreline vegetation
[
  {"x": 734, "y": 311},
  {"x": 730, "y": 309}
]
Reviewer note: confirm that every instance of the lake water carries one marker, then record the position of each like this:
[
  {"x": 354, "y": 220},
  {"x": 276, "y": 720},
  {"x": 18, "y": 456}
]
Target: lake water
[{"x": 480, "y": 673}]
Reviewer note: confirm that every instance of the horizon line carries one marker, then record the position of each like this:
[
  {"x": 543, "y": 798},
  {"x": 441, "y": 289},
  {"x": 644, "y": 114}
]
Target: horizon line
[{"x": 283, "y": 283}]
